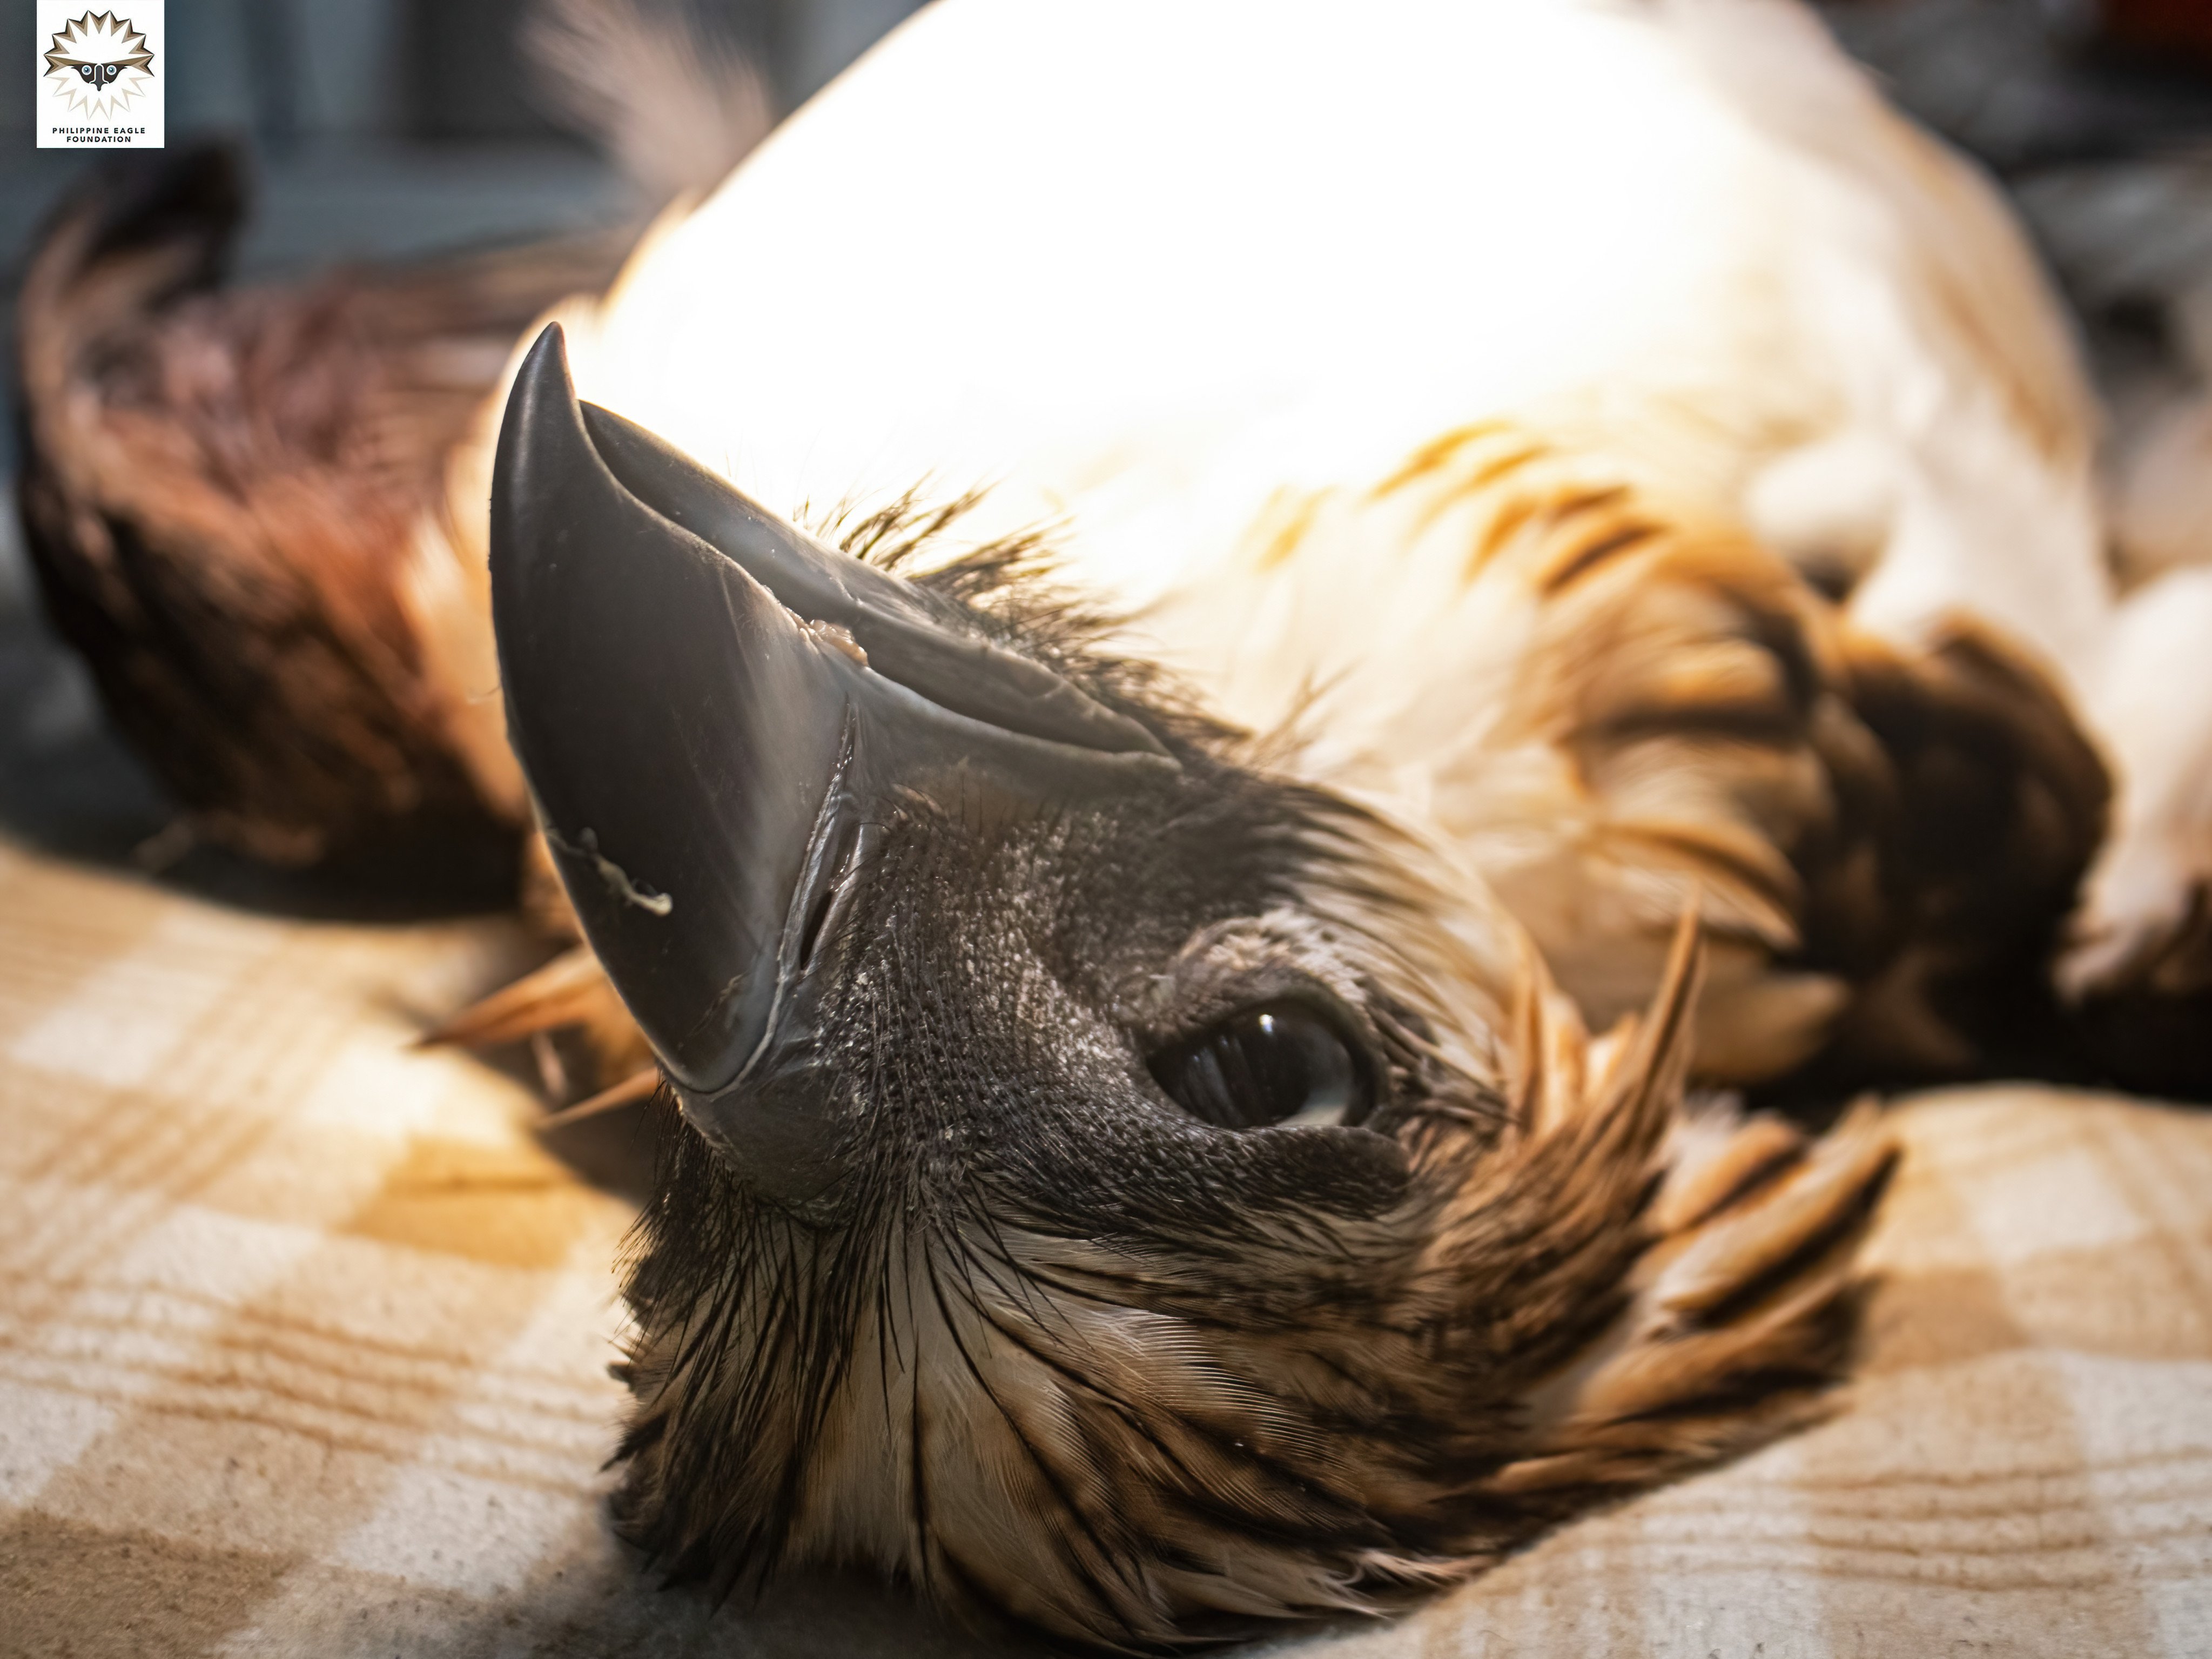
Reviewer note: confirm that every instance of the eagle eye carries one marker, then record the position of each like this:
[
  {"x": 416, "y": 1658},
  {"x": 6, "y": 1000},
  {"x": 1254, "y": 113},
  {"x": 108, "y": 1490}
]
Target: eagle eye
[{"x": 1276, "y": 1063}]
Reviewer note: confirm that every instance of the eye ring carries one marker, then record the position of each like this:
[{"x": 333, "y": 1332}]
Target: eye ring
[{"x": 1269, "y": 1065}]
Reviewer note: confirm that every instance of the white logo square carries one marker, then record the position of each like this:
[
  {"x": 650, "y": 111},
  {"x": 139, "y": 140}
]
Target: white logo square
[{"x": 103, "y": 70}]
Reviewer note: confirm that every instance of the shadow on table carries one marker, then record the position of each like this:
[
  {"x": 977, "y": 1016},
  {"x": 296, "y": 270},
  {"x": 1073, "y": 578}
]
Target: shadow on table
[
  {"x": 69, "y": 787},
  {"x": 615, "y": 1611}
]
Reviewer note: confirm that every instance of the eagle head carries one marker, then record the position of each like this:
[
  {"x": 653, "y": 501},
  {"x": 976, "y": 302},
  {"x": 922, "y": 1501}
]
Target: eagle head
[
  {"x": 1115, "y": 1186},
  {"x": 100, "y": 49}
]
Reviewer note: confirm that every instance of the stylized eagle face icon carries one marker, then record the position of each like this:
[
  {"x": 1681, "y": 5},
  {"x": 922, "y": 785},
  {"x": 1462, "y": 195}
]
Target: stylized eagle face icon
[{"x": 110, "y": 61}]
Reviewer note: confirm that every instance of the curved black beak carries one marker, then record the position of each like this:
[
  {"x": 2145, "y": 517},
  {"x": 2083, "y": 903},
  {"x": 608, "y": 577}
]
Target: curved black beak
[{"x": 713, "y": 711}]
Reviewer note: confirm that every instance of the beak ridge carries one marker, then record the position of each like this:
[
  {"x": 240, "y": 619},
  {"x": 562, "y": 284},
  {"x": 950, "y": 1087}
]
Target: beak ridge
[
  {"x": 904, "y": 640},
  {"x": 678, "y": 726}
]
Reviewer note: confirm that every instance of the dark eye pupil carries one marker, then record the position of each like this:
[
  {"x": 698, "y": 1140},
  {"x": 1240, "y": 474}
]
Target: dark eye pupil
[{"x": 1263, "y": 1065}]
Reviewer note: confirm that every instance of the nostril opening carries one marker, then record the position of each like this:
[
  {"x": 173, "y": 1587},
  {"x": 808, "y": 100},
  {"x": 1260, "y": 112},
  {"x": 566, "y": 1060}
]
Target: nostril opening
[
  {"x": 812, "y": 936},
  {"x": 825, "y": 898}
]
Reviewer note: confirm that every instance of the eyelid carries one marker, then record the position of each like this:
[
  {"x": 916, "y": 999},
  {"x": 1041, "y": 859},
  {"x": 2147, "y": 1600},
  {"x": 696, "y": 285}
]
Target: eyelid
[{"x": 1188, "y": 1017}]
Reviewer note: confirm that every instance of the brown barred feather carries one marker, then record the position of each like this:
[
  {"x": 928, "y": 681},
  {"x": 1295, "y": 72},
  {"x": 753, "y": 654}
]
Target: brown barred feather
[
  {"x": 570, "y": 990},
  {"x": 220, "y": 491},
  {"x": 1886, "y": 844}
]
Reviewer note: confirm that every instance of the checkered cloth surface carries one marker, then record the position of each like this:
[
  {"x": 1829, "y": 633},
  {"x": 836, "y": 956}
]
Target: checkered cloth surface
[{"x": 303, "y": 1339}]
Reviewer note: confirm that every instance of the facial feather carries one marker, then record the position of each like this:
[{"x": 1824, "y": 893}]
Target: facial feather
[{"x": 1064, "y": 1357}]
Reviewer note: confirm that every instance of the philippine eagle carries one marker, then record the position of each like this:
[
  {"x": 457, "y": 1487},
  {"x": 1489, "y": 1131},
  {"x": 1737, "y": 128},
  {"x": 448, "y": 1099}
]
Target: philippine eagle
[{"x": 1121, "y": 645}]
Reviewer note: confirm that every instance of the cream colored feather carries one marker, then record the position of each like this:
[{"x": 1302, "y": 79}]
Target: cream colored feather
[{"x": 1278, "y": 313}]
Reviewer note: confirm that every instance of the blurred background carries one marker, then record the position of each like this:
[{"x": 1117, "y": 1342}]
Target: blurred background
[
  {"x": 381, "y": 126},
  {"x": 373, "y": 130},
  {"x": 382, "y": 129}
]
